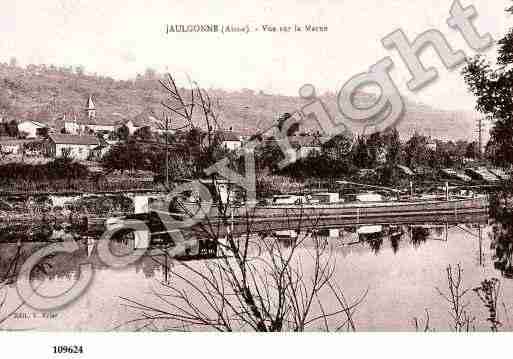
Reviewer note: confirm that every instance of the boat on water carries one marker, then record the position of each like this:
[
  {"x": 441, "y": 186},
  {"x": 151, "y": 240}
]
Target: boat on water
[
  {"x": 324, "y": 209},
  {"x": 366, "y": 208},
  {"x": 315, "y": 210}
]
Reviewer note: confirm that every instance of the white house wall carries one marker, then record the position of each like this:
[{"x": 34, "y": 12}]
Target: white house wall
[
  {"x": 29, "y": 128},
  {"x": 232, "y": 145},
  {"x": 72, "y": 128},
  {"x": 96, "y": 128}
]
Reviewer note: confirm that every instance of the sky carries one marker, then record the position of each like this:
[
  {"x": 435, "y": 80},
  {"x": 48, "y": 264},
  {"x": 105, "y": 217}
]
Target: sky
[{"x": 122, "y": 38}]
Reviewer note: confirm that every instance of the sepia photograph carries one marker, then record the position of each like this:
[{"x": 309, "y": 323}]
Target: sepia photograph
[{"x": 200, "y": 167}]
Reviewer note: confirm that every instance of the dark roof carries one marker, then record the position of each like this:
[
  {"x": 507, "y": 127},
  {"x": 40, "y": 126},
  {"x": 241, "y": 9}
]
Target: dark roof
[
  {"x": 35, "y": 123},
  {"x": 74, "y": 140},
  {"x": 98, "y": 121}
]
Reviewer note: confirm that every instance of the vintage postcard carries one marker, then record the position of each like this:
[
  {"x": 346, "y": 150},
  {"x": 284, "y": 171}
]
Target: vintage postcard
[{"x": 293, "y": 166}]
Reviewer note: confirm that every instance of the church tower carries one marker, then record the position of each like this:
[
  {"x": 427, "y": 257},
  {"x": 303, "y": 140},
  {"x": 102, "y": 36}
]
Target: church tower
[{"x": 90, "y": 108}]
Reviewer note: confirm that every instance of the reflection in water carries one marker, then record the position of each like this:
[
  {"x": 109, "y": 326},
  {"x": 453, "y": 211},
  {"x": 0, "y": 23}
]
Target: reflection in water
[
  {"x": 370, "y": 238},
  {"x": 286, "y": 238},
  {"x": 374, "y": 236},
  {"x": 416, "y": 254},
  {"x": 418, "y": 235},
  {"x": 375, "y": 241},
  {"x": 438, "y": 231},
  {"x": 395, "y": 238}
]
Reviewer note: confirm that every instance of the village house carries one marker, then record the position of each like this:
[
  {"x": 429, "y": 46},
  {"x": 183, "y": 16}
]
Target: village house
[
  {"x": 162, "y": 131},
  {"x": 231, "y": 140},
  {"x": 31, "y": 129},
  {"x": 97, "y": 125},
  {"x": 76, "y": 147},
  {"x": 307, "y": 145},
  {"x": 300, "y": 146},
  {"x": 147, "y": 118},
  {"x": 133, "y": 125},
  {"x": 71, "y": 127},
  {"x": 90, "y": 123},
  {"x": 68, "y": 124}
]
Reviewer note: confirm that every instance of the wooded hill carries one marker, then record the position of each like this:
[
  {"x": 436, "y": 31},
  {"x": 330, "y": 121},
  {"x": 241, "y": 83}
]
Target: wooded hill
[{"x": 44, "y": 93}]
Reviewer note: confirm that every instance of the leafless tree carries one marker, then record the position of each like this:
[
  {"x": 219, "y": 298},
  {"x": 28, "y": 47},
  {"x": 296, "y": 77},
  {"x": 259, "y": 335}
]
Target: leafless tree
[
  {"x": 456, "y": 297},
  {"x": 193, "y": 108},
  {"x": 256, "y": 283}
]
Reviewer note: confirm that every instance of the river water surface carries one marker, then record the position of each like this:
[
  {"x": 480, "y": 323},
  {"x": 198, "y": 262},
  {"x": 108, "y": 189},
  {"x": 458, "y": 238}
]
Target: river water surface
[{"x": 400, "y": 275}]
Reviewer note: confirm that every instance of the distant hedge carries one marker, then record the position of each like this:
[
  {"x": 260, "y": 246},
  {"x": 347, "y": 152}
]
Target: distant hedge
[{"x": 54, "y": 170}]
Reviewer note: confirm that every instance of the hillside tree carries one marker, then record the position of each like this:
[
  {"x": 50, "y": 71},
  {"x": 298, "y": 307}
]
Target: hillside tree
[
  {"x": 12, "y": 129},
  {"x": 493, "y": 87}
]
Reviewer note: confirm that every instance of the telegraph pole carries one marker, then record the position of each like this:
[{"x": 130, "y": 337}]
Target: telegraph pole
[
  {"x": 164, "y": 124},
  {"x": 480, "y": 129},
  {"x": 167, "y": 150},
  {"x": 480, "y": 137}
]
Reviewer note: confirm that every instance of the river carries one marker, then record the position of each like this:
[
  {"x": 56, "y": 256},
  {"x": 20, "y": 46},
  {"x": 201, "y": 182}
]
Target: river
[{"x": 400, "y": 274}]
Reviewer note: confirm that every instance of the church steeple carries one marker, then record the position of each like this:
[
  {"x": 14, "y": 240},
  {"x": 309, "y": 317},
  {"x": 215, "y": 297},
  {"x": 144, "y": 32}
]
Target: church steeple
[{"x": 90, "y": 108}]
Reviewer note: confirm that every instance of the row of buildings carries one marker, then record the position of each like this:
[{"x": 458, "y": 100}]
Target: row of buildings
[
  {"x": 56, "y": 146},
  {"x": 75, "y": 136},
  {"x": 89, "y": 136},
  {"x": 83, "y": 137},
  {"x": 82, "y": 125}
]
